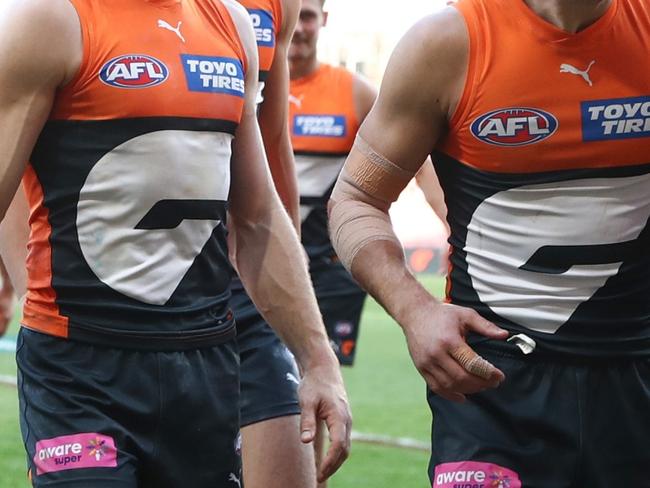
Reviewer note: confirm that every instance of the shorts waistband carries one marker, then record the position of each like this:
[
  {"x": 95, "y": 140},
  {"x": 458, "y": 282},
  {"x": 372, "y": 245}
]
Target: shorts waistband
[{"x": 157, "y": 341}]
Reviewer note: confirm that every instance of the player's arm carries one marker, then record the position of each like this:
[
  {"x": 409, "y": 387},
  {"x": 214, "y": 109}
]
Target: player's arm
[
  {"x": 40, "y": 47},
  {"x": 364, "y": 95},
  {"x": 14, "y": 236},
  {"x": 270, "y": 264},
  {"x": 427, "y": 180},
  {"x": 7, "y": 299},
  {"x": 273, "y": 115},
  {"x": 40, "y": 42},
  {"x": 421, "y": 85}
]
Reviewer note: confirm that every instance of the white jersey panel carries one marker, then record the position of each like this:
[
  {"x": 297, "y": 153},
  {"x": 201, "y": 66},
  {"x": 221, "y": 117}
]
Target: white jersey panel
[
  {"x": 125, "y": 184},
  {"x": 586, "y": 212},
  {"x": 316, "y": 175}
]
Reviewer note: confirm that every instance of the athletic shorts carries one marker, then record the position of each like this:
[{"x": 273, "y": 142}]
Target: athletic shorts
[
  {"x": 554, "y": 423},
  {"x": 99, "y": 417},
  {"x": 269, "y": 375},
  {"x": 341, "y": 301}
]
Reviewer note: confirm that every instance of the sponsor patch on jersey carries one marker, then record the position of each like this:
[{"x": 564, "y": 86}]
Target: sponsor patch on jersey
[
  {"x": 213, "y": 74},
  {"x": 133, "y": 71},
  {"x": 319, "y": 125},
  {"x": 264, "y": 28},
  {"x": 87, "y": 450},
  {"x": 471, "y": 474},
  {"x": 616, "y": 118},
  {"x": 514, "y": 126}
]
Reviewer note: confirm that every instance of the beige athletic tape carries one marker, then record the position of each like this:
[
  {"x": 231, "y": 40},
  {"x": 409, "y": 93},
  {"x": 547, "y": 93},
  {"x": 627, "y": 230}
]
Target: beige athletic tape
[
  {"x": 375, "y": 175},
  {"x": 367, "y": 186},
  {"x": 354, "y": 224},
  {"x": 472, "y": 362}
]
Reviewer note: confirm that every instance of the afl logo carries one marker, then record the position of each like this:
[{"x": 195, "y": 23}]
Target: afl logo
[
  {"x": 133, "y": 71},
  {"x": 514, "y": 126}
]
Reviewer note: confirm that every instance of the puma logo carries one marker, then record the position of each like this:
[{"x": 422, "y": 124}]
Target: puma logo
[
  {"x": 292, "y": 378},
  {"x": 567, "y": 68},
  {"x": 176, "y": 30},
  {"x": 295, "y": 100},
  {"x": 234, "y": 479}
]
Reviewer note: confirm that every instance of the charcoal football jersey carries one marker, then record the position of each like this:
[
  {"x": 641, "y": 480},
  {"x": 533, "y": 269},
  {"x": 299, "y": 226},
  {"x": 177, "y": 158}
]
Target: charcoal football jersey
[
  {"x": 129, "y": 180},
  {"x": 546, "y": 173}
]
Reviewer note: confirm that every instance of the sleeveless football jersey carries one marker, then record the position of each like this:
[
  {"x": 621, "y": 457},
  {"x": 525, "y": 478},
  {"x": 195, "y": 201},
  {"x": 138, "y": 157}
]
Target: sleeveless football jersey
[
  {"x": 546, "y": 172},
  {"x": 266, "y": 16},
  {"x": 323, "y": 124},
  {"x": 129, "y": 180}
]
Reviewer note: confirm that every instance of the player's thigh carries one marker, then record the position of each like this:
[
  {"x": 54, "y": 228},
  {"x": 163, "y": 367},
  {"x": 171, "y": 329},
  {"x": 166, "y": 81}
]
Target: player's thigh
[
  {"x": 617, "y": 424},
  {"x": 501, "y": 435},
  {"x": 274, "y": 456},
  {"x": 269, "y": 374},
  {"x": 341, "y": 302},
  {"x": 74, "y": 411}
]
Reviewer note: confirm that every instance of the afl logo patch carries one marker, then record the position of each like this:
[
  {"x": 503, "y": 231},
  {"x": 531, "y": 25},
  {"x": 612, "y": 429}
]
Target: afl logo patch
[
  {"x": 514, "y": 126},
  {"x": 133, "y": 71}
]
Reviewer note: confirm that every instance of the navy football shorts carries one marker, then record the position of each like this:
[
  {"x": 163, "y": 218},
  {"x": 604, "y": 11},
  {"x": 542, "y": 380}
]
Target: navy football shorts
[
  {"x": 98, "y": 417},
  {"x": 341, "y": 301},
  {"x": 556, "y": 422},
  {"x": 269, "y": 374}
]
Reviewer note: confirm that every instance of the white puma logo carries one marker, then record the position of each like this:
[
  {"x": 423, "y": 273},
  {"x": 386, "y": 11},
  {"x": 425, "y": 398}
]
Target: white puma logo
[
  {"x": 295, "y": 100},
  {"x": 567, "y": 68},
  {"x": 234, "y": 479},
  {"x": 291, "y": 377},
  {"x": 176, "y": 30}
]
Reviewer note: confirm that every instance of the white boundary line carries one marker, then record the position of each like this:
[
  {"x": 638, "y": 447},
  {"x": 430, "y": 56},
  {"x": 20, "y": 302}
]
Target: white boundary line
[
  {"x": 7, "y": 380},
  {"x": 384, "y": 440},
  {"x": 362, "y": 437}
]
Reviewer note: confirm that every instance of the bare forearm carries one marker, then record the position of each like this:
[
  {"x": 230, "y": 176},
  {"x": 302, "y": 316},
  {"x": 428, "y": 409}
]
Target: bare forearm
[
  {"x": 14, "y": 235},
  {"x": 283, "y": 172},
  {"x": 380, "y": 268},
  {"x": 270, "y": 265}
]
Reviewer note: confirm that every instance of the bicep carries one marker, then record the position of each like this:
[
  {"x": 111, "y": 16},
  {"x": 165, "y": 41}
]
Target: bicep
[
  {"x": 38, "y": 44},
  {"x": 419, "y": 85}
]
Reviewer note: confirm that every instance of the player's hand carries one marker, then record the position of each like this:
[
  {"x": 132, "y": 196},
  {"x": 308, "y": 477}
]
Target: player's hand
[
  {"x": 322, "y": 397},
  {"x": 7, "y": 305},
  {"x": 435, "y": 335}
]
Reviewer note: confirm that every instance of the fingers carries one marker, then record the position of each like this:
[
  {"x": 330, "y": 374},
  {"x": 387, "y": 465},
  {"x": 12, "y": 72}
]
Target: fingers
[
  {"x": 475, "y": 364},
  {"x": 339, "y": 448},
  {"x": 307, "y": 422},
  {"x": 478, "y": 324}
]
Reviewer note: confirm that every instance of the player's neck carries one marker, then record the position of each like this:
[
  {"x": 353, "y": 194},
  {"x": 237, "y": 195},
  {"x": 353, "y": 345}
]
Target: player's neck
[
  {"x": 570, "y": 15},
  {"x": 299, "y": 68}
]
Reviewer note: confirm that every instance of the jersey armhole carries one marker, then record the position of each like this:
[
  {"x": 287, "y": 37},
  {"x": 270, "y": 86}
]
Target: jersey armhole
[
  {"x": 86, "y": 26},
  {"x": 474, "y": 62}
]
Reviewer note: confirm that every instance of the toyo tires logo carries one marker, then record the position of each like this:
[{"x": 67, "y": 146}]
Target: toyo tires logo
[
  {"x": 133, "y": 71},
  {"x": 514, "y": 126}
]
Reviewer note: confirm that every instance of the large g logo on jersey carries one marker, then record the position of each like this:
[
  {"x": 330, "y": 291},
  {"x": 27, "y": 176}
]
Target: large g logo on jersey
[
  {"x": 146, "y": 210},
  {"x": 535, "y": 253}
]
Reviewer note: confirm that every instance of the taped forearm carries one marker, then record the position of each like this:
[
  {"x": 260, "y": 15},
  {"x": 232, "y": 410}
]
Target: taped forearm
[{"x": 367, "y": 186}]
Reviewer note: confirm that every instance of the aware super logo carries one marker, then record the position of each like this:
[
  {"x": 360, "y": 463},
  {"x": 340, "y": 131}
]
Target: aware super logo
[
  {"x": 515, "y": 126},
  {"x": 133, "y": 71}
]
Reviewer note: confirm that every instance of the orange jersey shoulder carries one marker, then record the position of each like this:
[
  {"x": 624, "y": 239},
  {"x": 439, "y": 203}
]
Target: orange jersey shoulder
[{"x": 322, "y": 111}]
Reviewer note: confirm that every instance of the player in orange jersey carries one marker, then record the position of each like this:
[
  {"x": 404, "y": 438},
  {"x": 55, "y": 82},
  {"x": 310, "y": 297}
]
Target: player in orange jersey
[
  {"x": 327, "y": 104},
  {"x": 137, "y": 139},
  {"x": 542, "y": 152},
  {"x": 272, "y": 452}
]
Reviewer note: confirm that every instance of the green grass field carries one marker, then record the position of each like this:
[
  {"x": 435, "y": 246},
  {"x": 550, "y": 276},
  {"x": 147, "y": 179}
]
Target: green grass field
[{"x": 386, "y": 393}]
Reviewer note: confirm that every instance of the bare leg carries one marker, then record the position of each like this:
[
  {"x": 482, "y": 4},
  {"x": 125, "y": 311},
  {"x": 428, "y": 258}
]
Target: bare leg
[{"x": 274, "y": 457}]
